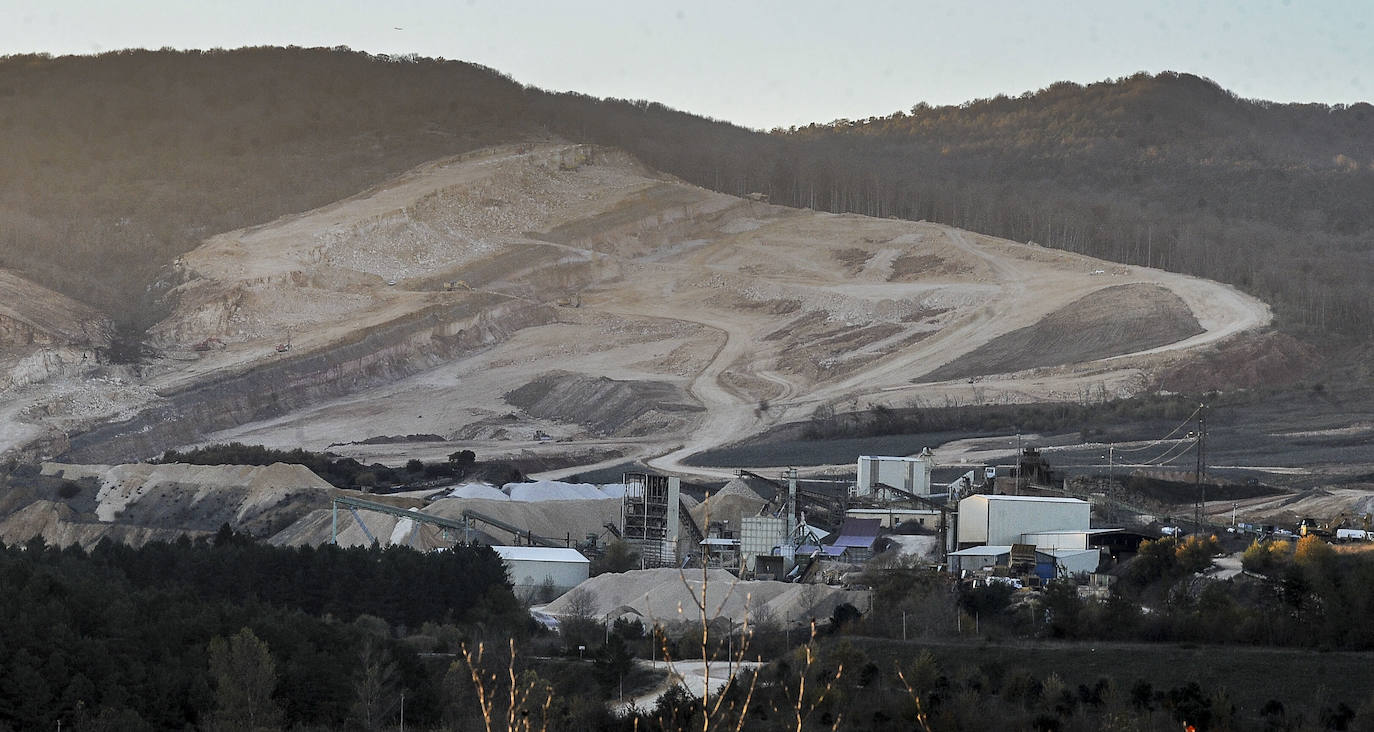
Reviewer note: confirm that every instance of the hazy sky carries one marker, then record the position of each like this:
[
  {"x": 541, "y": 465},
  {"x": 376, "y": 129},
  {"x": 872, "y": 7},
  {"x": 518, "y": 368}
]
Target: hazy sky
[{"x": 765, "y": 64}]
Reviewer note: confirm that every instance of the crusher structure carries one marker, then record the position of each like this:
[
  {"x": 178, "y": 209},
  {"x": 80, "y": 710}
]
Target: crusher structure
[{"x": 650, "y": 515}]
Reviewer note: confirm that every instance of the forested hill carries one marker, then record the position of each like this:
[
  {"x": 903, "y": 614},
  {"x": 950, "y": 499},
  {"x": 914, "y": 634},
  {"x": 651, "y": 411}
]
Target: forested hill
[
  {"x": 1169, "y": 170},
  {"x": 117, "y": 163}
]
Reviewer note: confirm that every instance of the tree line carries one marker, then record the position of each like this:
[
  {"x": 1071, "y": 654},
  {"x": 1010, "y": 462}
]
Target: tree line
[{"x": 171, "y": 635}]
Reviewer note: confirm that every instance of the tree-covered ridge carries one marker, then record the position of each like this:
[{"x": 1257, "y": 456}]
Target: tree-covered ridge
[
  {"x": 125, "y": 638},
  {"x": 117, "y": 163}
]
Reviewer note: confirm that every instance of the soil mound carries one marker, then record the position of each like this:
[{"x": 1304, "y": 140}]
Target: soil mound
[
  {"x": 140, "y": 502},
  {"x": 731, "y": 504},
  {"x": 604, "y": 405},
  {"x": 1109, "y": 322}
]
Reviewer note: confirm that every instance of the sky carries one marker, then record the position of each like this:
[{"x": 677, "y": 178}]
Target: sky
[{"x": 771, "y": 64}]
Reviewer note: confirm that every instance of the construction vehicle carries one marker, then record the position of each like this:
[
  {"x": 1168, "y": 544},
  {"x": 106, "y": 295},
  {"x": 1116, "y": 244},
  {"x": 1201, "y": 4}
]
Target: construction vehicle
[
  {"x": 1333, "y": 527},
  {"x": 284, "y": 347},
  {"x": 209, "y": 344},
  {"x": 452, "y": 285}
]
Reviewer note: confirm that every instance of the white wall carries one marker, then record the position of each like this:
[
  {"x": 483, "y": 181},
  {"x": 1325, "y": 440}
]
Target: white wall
[
  {"x": 527, "y": 574},
  {"x": 1076, "y": 540},
  {"x": 973, "y": 520},
  {"x": 909, "y": 474},
  {"x": 1009, "y": 519},
  {"x": 1080, "y": 561}
]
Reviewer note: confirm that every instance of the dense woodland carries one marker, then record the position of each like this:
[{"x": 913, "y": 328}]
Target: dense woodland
[
  {"x": 117, "y": 163},
  {"x": 232, "y": 634},
  {"x": 213, "y": 634}
]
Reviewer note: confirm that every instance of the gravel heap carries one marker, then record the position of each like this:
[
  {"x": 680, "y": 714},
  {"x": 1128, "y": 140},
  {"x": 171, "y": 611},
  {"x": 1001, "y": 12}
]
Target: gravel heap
[{"x": 669, "y": 597}]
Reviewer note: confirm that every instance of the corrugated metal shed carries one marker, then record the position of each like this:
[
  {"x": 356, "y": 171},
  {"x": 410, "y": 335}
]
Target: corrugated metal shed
[
  {"x": 998, "y": 520},
  {"x": 533, "y": 569},
  {"x": 539, "y": 554}
]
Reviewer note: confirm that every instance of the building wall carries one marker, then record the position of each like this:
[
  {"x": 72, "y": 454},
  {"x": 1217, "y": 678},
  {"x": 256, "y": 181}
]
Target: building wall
[
  {"x": 891, "y": 517},
  {"x": 1056, "y": 541},
  {"x": 1008, "y": 520},
  {"x": 909, "y": 474},
  {"x": 1082, "y": 561},
  {"x": 527, "y": 574},
  {"x": 973, "y": 521},
  {"x": 758, "y": 535},
  {"x": 976, "y": 563}
]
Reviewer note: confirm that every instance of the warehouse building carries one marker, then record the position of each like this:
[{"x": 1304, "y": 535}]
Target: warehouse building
[
  {"x": 1005, "y": 520},
  {"x": 531, "y": 568},
  {"x": 1049, "y": 563}
]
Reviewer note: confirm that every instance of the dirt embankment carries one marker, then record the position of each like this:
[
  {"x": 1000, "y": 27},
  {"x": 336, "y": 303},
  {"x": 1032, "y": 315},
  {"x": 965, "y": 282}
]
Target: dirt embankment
[
  {"x": 34, "y": 315},
  {"x": 1114, "y": 320},
  {"x": 606, "y": 406},
  {"x": 136, "y": 503},
  {"x": 366, "y": 357}
]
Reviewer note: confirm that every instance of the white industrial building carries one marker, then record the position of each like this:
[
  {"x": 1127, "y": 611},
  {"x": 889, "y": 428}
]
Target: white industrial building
[
  {"x": 892, "y": 517},
  {"x": 1056, "y": 561},
  {"x": 907, "y": 474},
  {"x": 532, "y": 567},
  {"x": 1007, "y": 520}
]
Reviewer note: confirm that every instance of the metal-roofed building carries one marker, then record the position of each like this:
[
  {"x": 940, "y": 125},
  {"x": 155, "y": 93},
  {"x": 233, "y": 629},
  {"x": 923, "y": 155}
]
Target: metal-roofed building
[
  {"x": 1048, "y": 562},
  {"x": 856, "y": 537},
  {"x": 532, "y": 567},
  {"x": 1063, "y": 538},
  {"x": 1003, "y": 520}
]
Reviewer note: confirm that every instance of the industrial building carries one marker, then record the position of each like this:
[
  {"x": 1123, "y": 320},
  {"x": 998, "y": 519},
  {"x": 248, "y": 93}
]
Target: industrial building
[
  {"x": 650, "y": 518},
  {"x": 900, "y": 475},
  {"x": 897, "y": 475},
  {"x": 533, "y": 567},
  {"x": 1005, "y": 520},
  {"x": 1049, "y": 563},
  {"x": 890, "y": 517}
]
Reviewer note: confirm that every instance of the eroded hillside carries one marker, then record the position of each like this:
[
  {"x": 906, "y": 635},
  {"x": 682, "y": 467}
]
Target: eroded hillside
[{"x": 483, "y": 298}]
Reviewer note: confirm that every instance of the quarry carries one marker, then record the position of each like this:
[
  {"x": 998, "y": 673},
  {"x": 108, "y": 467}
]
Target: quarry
[
  {"x": 495, "y": 297},
  {"x": 561, "y": 309},
  {"x": 563, "y": 304}
]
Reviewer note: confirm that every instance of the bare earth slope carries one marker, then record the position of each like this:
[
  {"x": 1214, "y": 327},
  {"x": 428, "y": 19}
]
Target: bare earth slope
[
  {"x": 551, "y": 271},
  {"x": 1111, "y": 321}
]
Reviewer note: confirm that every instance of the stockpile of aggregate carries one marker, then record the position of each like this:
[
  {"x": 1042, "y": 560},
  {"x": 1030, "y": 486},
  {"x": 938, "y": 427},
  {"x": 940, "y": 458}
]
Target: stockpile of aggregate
[{"x": 672, "y": 598}]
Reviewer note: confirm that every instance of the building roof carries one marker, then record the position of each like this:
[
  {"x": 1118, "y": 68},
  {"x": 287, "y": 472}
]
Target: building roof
[
  {"x": 857, "y": 532},
  {"x": 1060, "y": 553},
  {"x": 539, "y": 554},
  {"x": 914, "y": 459},
  {"x": 982, "y": 551},
  {"x": 856, "y": 512},
  {"x": 1066, "y": 532},
  {"x": 827, "y": 549},
  {"x": 1032, "y": 499}
]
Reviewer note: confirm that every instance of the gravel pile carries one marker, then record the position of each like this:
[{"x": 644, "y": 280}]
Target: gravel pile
[{"x": 671, "y": 598}]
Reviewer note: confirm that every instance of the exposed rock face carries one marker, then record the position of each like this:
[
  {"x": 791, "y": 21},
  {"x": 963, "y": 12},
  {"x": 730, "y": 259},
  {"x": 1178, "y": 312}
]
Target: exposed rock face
[
  {"x": 34, "y": 315},
  {"x": 372, "y": 356},
  {"x": 141, "y": 502}
]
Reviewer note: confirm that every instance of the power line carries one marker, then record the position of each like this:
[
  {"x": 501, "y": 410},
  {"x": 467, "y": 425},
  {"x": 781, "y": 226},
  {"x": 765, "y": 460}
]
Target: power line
[{"x": 1172, "y": 432}]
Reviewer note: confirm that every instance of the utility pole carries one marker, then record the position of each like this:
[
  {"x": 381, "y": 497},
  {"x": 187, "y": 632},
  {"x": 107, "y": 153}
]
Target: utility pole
[
  {"x": 1017, "y": 491},
  {"x": 1201, "y": 465},
  {"x": 1111, "y": 463}
]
